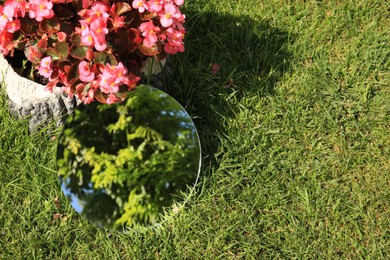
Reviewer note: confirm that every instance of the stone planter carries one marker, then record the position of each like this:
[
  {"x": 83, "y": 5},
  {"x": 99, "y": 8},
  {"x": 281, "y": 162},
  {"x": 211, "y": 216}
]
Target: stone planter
[{"x": 28, "y": 98}]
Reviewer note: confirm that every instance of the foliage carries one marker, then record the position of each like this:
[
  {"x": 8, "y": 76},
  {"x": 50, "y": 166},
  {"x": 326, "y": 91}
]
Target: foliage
[
  {"x": 135, "y": 160},
  {"x": 90, "y": 48},
  {"x": 295, "y": 153}
]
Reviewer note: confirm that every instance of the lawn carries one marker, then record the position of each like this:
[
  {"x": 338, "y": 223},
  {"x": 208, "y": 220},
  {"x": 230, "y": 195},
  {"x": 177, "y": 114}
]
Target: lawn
[{"x": 295, "y": 135}]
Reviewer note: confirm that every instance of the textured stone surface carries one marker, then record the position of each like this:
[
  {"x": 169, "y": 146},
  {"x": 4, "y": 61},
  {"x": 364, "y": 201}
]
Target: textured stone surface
[{"x": 27, "y": 98}]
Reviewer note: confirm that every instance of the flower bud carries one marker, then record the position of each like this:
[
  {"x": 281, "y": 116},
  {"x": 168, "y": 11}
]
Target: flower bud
[{"x": 90, "y": 55}]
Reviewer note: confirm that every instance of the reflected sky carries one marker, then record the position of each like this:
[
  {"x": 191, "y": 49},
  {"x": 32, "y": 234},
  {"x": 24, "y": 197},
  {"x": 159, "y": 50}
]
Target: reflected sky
[{"x": 122, "y": 164}]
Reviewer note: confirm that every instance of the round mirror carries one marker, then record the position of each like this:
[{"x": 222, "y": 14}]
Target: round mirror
[{"x": 122, "y": 165}]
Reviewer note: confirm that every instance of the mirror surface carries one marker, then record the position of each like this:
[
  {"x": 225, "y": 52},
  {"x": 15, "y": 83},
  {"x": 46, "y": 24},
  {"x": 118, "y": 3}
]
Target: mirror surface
[{"x": 120, "y": 165}]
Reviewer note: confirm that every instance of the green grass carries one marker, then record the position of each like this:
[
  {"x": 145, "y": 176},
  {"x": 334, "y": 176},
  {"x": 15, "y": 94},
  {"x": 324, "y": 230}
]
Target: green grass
[{"x": 296, "y": 153}]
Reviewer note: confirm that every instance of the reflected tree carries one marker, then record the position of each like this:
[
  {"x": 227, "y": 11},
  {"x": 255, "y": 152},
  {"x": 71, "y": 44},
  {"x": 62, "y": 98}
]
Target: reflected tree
[{"x": 124, "y": 163}]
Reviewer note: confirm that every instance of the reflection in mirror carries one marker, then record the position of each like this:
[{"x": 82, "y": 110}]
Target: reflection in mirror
[{"x": 121, "y": 165}]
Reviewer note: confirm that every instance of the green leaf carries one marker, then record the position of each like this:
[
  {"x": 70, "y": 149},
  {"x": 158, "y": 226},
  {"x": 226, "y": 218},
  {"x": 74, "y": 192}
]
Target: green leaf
[
  {"x": 29, "y": 27},
  {"x": 149, "y": 51},
  {"x": 104, "y": 58},
  {"x": 73, "y": 145},
  {"x": 145, "y": 133},
  {"x": 121, "y": 8},
  {"x": 73, "y": 71},
  {"x": 19, "y": 40},
  {"x": 101, "y": 97},
  {"x": 60, "y": 52},
  {"x": 86, "y": 88},
  {"x": 51, "y": 25},
  {"x": 121, "y": 96},
  {"x": 42, "y": 43},
  {"x": 134, "y": 35},
  {"x": 76, "y": 39},
  {"x": 55, "y": 55},
  {"x": 63, "y": 49},
  {"x": 125, "y": 155},
  {"x": 68, "y": 28},
  {"x": 78, "y": 52},
  {"x": 147, "y": 16},
  {"x": 28, "y": 52},
  {"x": 106, "y": 178}
]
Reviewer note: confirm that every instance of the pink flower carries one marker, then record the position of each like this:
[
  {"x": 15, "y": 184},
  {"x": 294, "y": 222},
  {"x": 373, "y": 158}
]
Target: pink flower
[
  {"x": 132, "y": 83},
  {"x": 40, "y": 9},
  {"x": 86, "y": 3},
  {"x": 33, "y": 54},
  {"x": 140, "y": 5},
  {"x": 45, "y": 67},
  {"x": 98, "y": 32},
  {"x": 107, "y": 85},
  {"x": 13, "y": 26},
  {"x": 100, "y": 28},
  {"x": 85, "y": 73},
  {"x": 121, "y": 74},
  {"x": 172, "y": 49},
  {"x": 6, "y": 42},
  {"x": 46, "y": 62},
  {"x": 175, "y": 41},
  {"x": 111, "y": 99},
  {"x": 175, "y": 37},
  {"x": 179, "y": 2},
  {"x": 112, "y": 77},
  {"x": 99, "y": 9},
  {"x": 89, "y": 97},
  {"x": 170, "y": 12},
  {"x": 61, "y": 36},
  {"x": 179, "y": 26},
  {"x": 90, "y": 55},
  {"x": 51, "y": 85},
  {"x": 94, "y": 26},
  {"x": 14, "y": 8},
  {"x": 64, "y": 80},
  {"x": 118, "y": 22},
  {"x": 95, "y": 35},
  {"x": 67, "y": 89},
  {"x": 63, "y": 77},
  {"x": 86, "y": 37},
  {"x": 8, "y": 13},
  {"x": 155, "y": 5},
  {"x": 3, "y": 20},
  {"x": 87, "y": 40},
  {"x": 107, "y": 80},
  {"x": 149, "y": 32},
  {"x": 85, "y": 95},
  {"x": 10, "y": 10}
]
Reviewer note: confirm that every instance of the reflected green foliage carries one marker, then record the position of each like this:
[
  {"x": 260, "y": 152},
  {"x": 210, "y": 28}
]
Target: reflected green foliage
[{"x": 122, "y": 164}]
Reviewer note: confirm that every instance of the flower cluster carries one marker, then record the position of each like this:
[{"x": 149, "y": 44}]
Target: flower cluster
[
  {"x": 91, "y": 49},
  {"x": 171, "y": 18},
  {"x": 94, "y": 26}
]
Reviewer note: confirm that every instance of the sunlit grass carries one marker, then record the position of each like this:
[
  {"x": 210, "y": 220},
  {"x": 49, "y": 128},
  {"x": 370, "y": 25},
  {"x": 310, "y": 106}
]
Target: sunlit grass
[{"x": 295, "y": 136}]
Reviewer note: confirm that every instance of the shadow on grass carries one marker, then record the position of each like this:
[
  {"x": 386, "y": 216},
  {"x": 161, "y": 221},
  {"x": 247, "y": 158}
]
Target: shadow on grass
[{"x": 252, "y": 56}]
